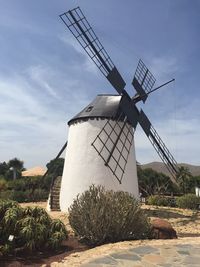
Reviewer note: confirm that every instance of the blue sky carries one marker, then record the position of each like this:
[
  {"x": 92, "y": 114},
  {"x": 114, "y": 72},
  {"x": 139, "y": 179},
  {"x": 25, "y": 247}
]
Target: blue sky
[{"x": 45, "y": 77}]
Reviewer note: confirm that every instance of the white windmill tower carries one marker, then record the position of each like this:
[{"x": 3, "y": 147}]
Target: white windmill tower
[
  {"x": 100, "y": 147},
  {"x": 98, "y": 126}
]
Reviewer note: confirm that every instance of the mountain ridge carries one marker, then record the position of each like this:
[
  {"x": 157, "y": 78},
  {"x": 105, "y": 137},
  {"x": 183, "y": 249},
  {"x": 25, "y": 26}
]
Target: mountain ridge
[{"x": 160, "y": 167}]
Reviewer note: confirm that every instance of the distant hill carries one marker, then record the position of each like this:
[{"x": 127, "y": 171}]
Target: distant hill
[{"x": 160, "y": 167}]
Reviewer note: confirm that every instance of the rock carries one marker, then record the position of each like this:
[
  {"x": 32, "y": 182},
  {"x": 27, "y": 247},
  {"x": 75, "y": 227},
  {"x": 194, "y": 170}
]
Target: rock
[{"x": 162, "y": 229}]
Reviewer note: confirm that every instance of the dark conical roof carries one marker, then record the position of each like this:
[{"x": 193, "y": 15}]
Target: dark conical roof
[{"x": 103, "y": 106}]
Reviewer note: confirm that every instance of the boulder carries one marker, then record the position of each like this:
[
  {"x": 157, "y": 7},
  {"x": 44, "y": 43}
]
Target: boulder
[{"x": 162, "y": 229}]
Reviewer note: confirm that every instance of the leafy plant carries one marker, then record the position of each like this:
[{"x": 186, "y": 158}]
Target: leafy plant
[
  {"x": 21, "y": 196},
  {"x": 31, "y": 229},
  {"x": 26, "y": 189},
  {"x": 55, "y": 167},
  {"x": 6, "y": 195},
  {"x": 188, "y": 201},
  {"x": 99, "y": 216},
  {"x": 3, "y": 184},
  {"x": 152, "y": 182},
  {"x": 157, "y": 200},
  {"x": 57, "y": 226}
]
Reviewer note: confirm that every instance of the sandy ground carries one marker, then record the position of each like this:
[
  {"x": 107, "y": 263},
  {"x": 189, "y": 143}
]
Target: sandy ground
[{"x": 185, "y": 222}]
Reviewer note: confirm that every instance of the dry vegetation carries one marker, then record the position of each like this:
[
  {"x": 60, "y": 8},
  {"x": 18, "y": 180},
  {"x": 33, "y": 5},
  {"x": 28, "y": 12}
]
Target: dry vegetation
[{"x": 185, "y": 222}]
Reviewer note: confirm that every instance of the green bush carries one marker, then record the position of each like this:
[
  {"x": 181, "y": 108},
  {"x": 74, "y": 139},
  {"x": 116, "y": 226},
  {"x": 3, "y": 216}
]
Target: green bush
[
  {"x": 188, "y": 201},
  {"x": 6, "y": 195},
  {"x": 18, "y": 184},
  {"x": 39, "y": 195},
  {"x": 26, "y": 189},
  {"x": 25, "y": 196},
  {"x": 3, "y": 184},
  {"x": 31, "y": 228},
  {"x": 20, "y": 196},
  {"x": 99, "y": 216},
  {"x": 157, "y": 201}
]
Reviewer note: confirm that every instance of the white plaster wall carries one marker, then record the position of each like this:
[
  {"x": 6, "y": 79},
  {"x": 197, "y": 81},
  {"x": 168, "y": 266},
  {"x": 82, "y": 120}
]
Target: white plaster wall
[
  {"x": 84, "y": 167},
  {"x": 48, "y": 203}
]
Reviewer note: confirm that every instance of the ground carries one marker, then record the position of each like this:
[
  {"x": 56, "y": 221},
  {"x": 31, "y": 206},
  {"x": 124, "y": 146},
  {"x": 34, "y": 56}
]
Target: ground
[{"x": 185, "y": 222}]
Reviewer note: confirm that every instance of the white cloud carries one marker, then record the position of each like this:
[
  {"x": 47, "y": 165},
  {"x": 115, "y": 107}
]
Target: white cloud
[
  {"x": 180, "y": 136},
  {"x": 87, "y": 64},
  {"x": 15, "y": 97},
  {"x": 163, "y": 67},
  {"x": 32, "y": 127},
  {"x": 17, "y": 21},
  {"x": 40, "y": 75}
]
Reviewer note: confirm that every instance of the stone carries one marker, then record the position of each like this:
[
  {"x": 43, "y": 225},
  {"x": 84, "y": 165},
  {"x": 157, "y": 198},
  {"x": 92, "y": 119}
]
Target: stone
[
  {"x": 104, "y": 260},
  {"x": 192, "y": 260},
  {"x": 125, "y": 256},
  {"x": 153, "y": 258},
  {"x": 142, "y": 250},
  {"x": 162, "y": 229}
]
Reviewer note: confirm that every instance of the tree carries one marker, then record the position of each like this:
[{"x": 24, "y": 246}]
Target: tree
[
  {"x": 3, "y": 168},
  {"x": 55, "y": 167},
  {"x": 16, "y": 166},
  {"x": 183, "y": 177},
  {"x": 152, "y": 182}
]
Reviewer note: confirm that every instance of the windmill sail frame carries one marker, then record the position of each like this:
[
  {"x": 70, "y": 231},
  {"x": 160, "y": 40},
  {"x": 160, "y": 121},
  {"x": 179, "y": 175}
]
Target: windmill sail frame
[
  {"x": 79, "y": 26},
  {"x": 143, "y": 82},
  {"x": 114, "y": 150}
]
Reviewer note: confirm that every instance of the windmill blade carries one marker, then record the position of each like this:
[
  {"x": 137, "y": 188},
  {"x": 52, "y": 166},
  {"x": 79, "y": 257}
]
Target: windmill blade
[
  {"x": 143, "y": 81},
  {"x": 79, "y": 26},
  {"x": 134, "y": 116},
  {"x": 113, "y": 144},
  {"x": 159, "y": 145}
]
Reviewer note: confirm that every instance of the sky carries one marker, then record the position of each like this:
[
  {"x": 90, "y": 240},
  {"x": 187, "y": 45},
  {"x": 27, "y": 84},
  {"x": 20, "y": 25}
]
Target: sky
[{"x": 46, "y": 78}]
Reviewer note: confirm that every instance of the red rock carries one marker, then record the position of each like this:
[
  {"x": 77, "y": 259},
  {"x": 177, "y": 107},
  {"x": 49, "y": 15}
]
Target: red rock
[{"x": 162, "y": 229}]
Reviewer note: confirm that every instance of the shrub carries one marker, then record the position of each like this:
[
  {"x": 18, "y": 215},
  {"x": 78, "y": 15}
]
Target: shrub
[
  {"x": 25, "y": 196},
  {"x": 15, "y": 195},
  {"x": 99, "y": 216},
  {"x": 40, "y": 195},
  {"x": 6, "y": 195},
  {"x": 31, "y": 228},
  {"x": 18, "y": 184},
  {"x": 188, "y": 201},
  {"x": 26, "y": 189},
  {"x": 20, "y": 196},
  {"x": 158, "y": 201},
  {"x": 3, "y": 184}
]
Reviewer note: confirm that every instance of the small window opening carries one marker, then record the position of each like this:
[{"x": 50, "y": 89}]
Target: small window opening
[{"x": 89, "y": 109}]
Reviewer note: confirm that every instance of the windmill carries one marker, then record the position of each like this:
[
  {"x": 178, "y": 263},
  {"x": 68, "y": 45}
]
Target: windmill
[{"x": 101, "y": 137}]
